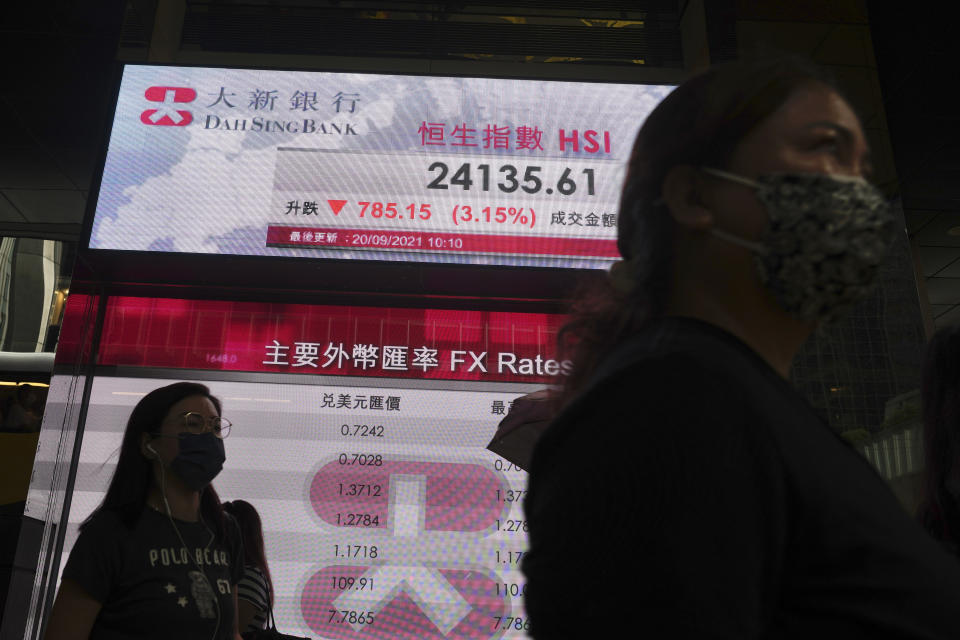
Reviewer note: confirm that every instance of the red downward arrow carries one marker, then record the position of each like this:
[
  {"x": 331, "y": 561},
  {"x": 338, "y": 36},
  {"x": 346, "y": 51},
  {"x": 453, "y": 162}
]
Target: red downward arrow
[{"x": 336, "y": 205}]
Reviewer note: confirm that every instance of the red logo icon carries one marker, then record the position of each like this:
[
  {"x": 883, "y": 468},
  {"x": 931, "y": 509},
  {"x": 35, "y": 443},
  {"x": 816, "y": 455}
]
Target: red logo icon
[{"x": 166, "y": 115}]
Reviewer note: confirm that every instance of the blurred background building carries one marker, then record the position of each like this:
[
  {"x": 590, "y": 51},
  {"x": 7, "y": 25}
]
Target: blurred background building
[{"x": 60, "y": 63}]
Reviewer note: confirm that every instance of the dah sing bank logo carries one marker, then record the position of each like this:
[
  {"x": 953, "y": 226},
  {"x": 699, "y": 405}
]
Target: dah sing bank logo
[{"x": 166, "y": 113}]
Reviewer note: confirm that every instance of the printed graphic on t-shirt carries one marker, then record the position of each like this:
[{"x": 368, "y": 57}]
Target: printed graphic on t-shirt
[
  {"x": 202, "y": 595},
  {"x": 199, "y": 587},
  {"x": 164, "y": 582},
  {"x": 167, "y": 556}
]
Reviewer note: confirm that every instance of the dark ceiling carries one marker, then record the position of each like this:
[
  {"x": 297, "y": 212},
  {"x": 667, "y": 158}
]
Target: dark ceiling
[
  {"x": 57, "y": 62},
  {"x": 557, "y": 30},
  {"x": 915, "y": 54},
  {"x": 916, "y": 59}
]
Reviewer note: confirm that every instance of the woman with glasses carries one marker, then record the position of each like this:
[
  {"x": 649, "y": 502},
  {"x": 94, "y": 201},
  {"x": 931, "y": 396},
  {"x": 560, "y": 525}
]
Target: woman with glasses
[{"x": 158, "y": 558}]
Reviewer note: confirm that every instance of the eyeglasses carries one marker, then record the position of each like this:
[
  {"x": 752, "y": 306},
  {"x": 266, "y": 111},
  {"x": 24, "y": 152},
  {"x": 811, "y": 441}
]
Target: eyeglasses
[{"x": 198, "y": 423}]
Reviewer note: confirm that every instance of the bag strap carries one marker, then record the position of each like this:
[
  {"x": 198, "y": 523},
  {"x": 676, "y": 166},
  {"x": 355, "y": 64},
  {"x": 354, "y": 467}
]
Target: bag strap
[{"x": 273, "y": 623}]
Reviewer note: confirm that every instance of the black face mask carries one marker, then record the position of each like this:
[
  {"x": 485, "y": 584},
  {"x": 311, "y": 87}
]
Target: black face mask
[{"x": 200, "y": 459}]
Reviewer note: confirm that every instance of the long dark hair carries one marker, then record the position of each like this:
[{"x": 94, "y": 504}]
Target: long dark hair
[
  {"x": 130, "y": 485},
  {"x": 251, "y": 530},
  {"x": 939, "y": 510},
  {"x": 700, "y": 123}
]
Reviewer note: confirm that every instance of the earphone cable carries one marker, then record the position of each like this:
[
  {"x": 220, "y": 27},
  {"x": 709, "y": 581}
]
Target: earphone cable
[{"x": 166, "y": 504}]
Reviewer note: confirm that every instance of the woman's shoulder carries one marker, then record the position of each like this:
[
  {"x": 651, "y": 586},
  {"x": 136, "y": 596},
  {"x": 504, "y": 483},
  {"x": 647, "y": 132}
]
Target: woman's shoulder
[
  {"x": 107, "y": 522},
  {"x": 103, "y": 535},
  {"x": 254, "y": 573},
  {"x": 674, "y": 377},
  {"x": 253, "y": 586},
  {"x": 254, "y": 576},
  {"x": 665, "y": 391},
  {"x": 698, "y": 346},
  {"x": 680, "y": 362}
]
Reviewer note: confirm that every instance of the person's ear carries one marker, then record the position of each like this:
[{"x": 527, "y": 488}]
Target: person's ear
[
  {"x": 146, "y": 448},
  {"x": 681, "y": 193}
]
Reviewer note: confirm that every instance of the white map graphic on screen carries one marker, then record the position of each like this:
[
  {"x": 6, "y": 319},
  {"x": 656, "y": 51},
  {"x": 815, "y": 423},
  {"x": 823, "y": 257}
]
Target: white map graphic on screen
[{"x": 247, "y": 162}]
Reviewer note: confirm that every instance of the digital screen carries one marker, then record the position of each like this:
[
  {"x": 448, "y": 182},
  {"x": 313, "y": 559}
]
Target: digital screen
[
  {"x": 368, "y": 166},
  {"x": 379, "y": 500}
]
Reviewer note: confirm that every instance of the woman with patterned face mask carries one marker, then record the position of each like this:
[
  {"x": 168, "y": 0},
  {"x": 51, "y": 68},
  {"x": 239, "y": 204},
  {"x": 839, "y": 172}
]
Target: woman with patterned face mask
[
  {"x": 158, "y": 558},
  {"x": 685, "y": 488}
]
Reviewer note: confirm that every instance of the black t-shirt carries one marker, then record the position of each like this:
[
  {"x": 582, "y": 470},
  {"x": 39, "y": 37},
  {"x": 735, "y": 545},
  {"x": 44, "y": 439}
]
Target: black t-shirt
[
  {"x": 150, "y": 584},
  {"x": 691, "y": 492}
]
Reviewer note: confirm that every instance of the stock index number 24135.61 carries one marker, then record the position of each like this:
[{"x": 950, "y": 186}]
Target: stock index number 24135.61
[{"x": 508, "y": 178}]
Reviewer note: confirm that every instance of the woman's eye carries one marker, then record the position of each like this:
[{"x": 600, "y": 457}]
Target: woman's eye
[{"x": 829, "y": 144}]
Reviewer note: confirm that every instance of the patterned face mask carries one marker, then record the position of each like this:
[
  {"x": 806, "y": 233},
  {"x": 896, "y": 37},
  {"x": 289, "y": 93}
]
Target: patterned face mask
[{"x": 825, "y": 241}]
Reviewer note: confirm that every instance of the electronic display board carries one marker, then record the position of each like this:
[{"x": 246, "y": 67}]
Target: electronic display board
[
  {"x": 368, "y": 166},
  {"x": 358, "y": 433}
]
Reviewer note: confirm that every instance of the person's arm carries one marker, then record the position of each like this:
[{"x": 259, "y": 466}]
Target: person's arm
[
  {"x": 234, "y": 541},
  {"x": 88, "y": 576},
  {"x": 246, "y": 612},
  {"x": 236, "y": 616},
  {"x": 253, "y": 597},
  {"x": 74, "y": 612}
]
